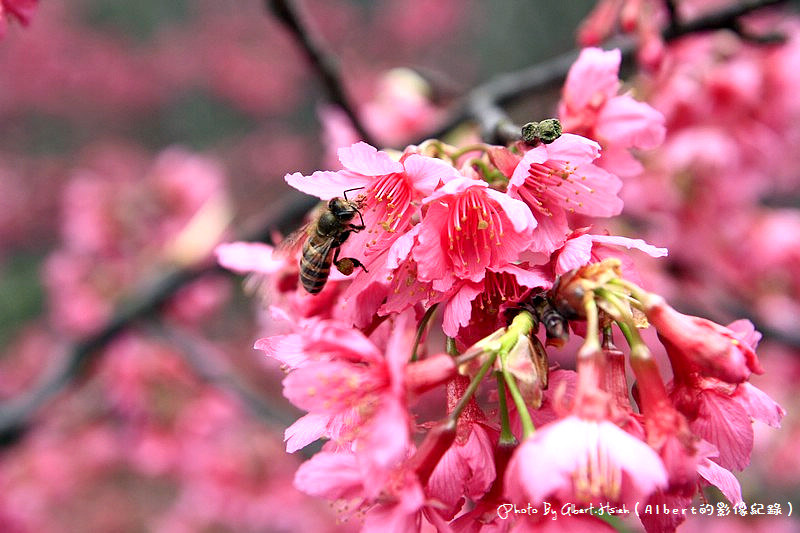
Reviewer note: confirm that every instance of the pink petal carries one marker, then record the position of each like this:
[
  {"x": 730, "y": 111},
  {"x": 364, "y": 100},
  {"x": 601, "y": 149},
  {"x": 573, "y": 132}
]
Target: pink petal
[
  {"x": 745, "y": 331},
  {"x": 425, "y": 173},
  {"x": 304, "y": 431},
  {"x": 518, "y": 213},
  {"x": 575, "y": 253},
  {"x": 326, "y": 184},
  {"x": 528, "y": 277},
  {"x": 289, "y": 349},
  {"x": 619, "y": 161},
  {"x": 458, "y": 310},
  {"x": 543, "y": 464},
  {"x": 330, "y": 386},
  {"x": 637, "y": 459},
  {"x": 551, "y": 232},
  {"x": 638, "y": 244},
  {"x": 366, "y": 160},
  {"x": 723, "y": 422},
  {"x": 329, "y": 475},
  {"x": 385, "y": 440},
  {"x": 759, "y": 405},
  {"x": 247, "y": 257},
  {"x": 574, "y": 149},
  {"x": 630, "y": 123},
  {"x": 721, "y": 478},
  {"x": 592, "y": 77},
  {"x": 454, "y": 187},
  {"x": 534, "y": 156}
]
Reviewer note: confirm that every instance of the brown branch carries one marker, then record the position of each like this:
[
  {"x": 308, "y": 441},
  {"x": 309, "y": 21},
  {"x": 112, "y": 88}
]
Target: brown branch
[
  {"x": 16, "y": 413},
  {"x": 322, "y": 61},
  {"x": 481, "y": 104}
]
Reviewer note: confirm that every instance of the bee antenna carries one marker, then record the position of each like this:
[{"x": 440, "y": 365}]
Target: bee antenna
[{"x": 349, "y": 190}]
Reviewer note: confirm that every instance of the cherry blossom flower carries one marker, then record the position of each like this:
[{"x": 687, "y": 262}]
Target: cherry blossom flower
[
  {"x": 590, "y": 106},
  {"x": 700, "y": 344},
  {"x": 578, "y": 460},
  {"x": 391, "y": 190},
  {"x": 468, "y": 228},
  {"x": 561, "y": 178}
]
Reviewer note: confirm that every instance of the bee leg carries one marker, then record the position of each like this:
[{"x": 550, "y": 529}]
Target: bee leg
[{"x": 346, "y": 265}]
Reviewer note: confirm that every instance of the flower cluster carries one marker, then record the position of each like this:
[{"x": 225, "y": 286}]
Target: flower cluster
[{"x": 492, "y": 242}]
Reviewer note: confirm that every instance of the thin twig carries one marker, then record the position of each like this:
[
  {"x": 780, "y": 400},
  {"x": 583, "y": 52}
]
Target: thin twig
[
  {"x": 481, "y": 104},
  {"x": 322, "y": 61},
  {"x": 16, "y": 413},
  {"x": 210, "y": 365}
]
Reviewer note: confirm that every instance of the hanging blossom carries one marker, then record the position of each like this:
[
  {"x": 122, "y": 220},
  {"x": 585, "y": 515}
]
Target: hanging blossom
[{"x": 478, "y": 259}]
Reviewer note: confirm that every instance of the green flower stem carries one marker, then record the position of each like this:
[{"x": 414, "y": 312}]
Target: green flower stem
[
  {"x": 451, "y": 346},
  {"x": 507, "y": 438},
  {"x": 519, "y": 402},
  {"x": 423, "y": 324},
  {"x": 520, "y": 328}
]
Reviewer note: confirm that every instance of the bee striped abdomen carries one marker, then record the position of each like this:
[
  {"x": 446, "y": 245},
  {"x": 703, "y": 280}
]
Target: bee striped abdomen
[{"x": 315, "y": 264}]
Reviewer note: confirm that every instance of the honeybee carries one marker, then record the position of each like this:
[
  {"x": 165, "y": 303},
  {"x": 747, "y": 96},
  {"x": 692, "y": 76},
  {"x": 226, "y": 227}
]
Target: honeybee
[{"x": 323, "y": 238}]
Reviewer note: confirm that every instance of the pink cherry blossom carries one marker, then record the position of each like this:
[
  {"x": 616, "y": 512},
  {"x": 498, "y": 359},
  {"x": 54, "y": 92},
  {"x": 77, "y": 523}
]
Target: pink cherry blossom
[
  {"x": 696, "y": 343},
  {"x": 391, "y": 191},
  {"x": 561, "y": 178},
  {"x": 722, "y": 414},
  {"x": 577, "y": 460},
  {"x": 591, "y": 107},
  {"x": 468, "y": 228},
  {"x": 473, "y": 310},
  {"x": 582, "y": 248}
]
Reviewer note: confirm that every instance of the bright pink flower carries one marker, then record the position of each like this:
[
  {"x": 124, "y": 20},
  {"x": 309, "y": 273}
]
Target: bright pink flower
[
  {"x": 591, "y": 107},
  {"x": 561, "y": 178},
  {"x": 396, "y": 508},
  {"x": 467, "y": 469},
  {"x": 473, "y": 310},
  {"x": 577, "y": 460},
  {"x": 722, "y": 414},
  {"x": 345, "y": 383},
  {"x": 390, "y": 190},
  {"x": 583, "y": 248},
  {"x": 468, "y": 228},
  {"x": 695, "y": 344},
  {"x": 645, "y": 17}
]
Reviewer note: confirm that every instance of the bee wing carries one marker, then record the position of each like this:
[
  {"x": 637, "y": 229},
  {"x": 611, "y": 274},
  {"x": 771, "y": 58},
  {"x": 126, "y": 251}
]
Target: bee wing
[{"x": 291, "y": 245}]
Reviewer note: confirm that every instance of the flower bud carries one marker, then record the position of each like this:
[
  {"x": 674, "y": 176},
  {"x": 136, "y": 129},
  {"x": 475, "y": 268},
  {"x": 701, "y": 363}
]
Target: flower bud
[{"x": 702, "y": 345}]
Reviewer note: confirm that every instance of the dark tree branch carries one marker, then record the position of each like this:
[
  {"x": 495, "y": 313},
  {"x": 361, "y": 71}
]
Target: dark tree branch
[
  {"x": 322, "y": 61},
  {"x": 210, "y": 365},
  {"x": 16, "y": 413},
  {"x": 482, "y": 104}
]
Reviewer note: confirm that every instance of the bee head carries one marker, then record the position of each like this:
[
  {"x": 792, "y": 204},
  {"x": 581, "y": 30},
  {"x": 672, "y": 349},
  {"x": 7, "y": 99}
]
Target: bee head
[{"x": 341, "y": 208}]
